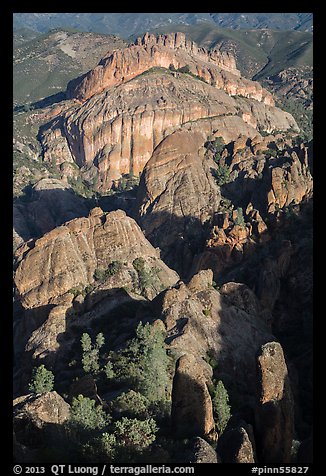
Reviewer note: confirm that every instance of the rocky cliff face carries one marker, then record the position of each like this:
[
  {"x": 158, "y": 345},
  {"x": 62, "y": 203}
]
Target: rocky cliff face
[
  {"x": 115, "y": 132},
  {"x": 200, "y": 321},
  {"x": 132, "y": 101},
  {"x": 216, "y": 67},
  {"x": 226, "y": 212},
  {"x": 274, "y": 417},
  {"x": 68, "y": 256}
]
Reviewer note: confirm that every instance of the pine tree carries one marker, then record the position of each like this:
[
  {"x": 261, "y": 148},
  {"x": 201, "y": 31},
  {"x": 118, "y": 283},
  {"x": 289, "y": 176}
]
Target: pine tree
[
  {"x": 42, "y": 380},
  {"x": 221, "y": 407}
]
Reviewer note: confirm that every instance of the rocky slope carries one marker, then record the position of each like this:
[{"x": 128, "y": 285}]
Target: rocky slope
[
  {"x": 205, "y": 337},
  {"x": 122, "y": 119},
  {"x": 178, "y": 193},
  {"x": 68, "y": 256}
]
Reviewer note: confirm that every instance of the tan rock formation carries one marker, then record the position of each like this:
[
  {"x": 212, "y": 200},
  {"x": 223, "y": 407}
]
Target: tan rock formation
[
  {"x": 198, "y": 320},
  {"x": 235, "y": 446},
  {"x": 68, "y": 256},
  {"x": 217, "y": 68},
  {"x": 192, "y": 412},
  {"x": 275, "y": 412},
  {"x": 37, "y": 417},
  {"x": 290, "y": 183},
  {"x": 116, "y": 130}
]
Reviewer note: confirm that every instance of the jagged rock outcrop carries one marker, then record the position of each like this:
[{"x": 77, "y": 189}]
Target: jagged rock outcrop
[
  {"x": 291, "y": 182},
  {"x": 192, "y": 411},
  {"x": 68, "y": 256},
  {"x": 274, "y": 414},
  {"x": 266, "y": 177},
  {"x": 37, "y": 416},
  {"x": 122, "y": 109},
  {"x": 200, "y": 452},
  {"x": 200, "y": 321},
  {"x": 116, "y": 131},
  {"x": 235, "y": 445},
  {"x": 76, "y": 274},
  {"x": 177, "y": 195},
  {"x": 216, "y": 67}
]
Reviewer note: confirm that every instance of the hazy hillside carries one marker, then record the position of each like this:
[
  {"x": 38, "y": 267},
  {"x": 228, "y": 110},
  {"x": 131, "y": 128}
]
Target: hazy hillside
[
  {"x": 125, "y": 24},
  {"x": 43, "y": 64}
]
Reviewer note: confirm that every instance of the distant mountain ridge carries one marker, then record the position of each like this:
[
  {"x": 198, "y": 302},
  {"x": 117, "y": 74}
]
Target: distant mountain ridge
[{"x": 126, "y": 24}]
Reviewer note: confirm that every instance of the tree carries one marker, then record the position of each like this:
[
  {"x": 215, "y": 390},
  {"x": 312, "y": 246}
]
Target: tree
[
  {"x": 131, "y": 404},
  {"x": 86, "y": 415},
  {"x": 42, "y": 380},
  {"x": 144, "y": 362},
  {"x": 222, "y": 175},
  {"x": 90, "y": 358},
  {"x": 221, "y": 407},
  {"x": 147, "y": 277},
  {"x": 109, "y": 371},
  {"x": 239, "y": 220},
  {"x": 133, "y": 434}
]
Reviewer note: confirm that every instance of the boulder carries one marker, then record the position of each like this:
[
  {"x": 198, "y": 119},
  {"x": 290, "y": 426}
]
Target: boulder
[
  {"x": 275, "y": 410},
  {"x": 235, "y": 446},
  {"x": 38, "y": 416},
  {"x": 200, "y": 452},
  {"x": 192, "y": 412}
]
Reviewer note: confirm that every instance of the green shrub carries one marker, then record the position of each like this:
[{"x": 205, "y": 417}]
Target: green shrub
[
  {"x": 101, "y": 274},
  {"x": 107, "y": 445},
  {"x": 221, "y": 407},
  {"x": 133, "y": 434},
  {"x": 147, "y": 277},
  {"x": 184, "y": 69},
  {"x": 85, "y": 415},
  {"x": 131, "y": 404},
  {"x": 75, "y": 291},
  {"x": 216, "y": 146},
  {"x": 222, "y": 175},
  {"x": 108, "y": 370},
  {"x": 239, "y": 219},
  {"x": 42, "y": 380}
]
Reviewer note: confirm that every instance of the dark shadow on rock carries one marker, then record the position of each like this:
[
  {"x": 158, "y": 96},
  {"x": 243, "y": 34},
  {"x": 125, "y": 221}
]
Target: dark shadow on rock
[
  {"x": 179, "y": 238},
  {"x": 37, "y": 212},
  {"x": 40, "y": 211},
  {"x": 189, "y": 414},
  {"x": 113, "y": 312}
]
